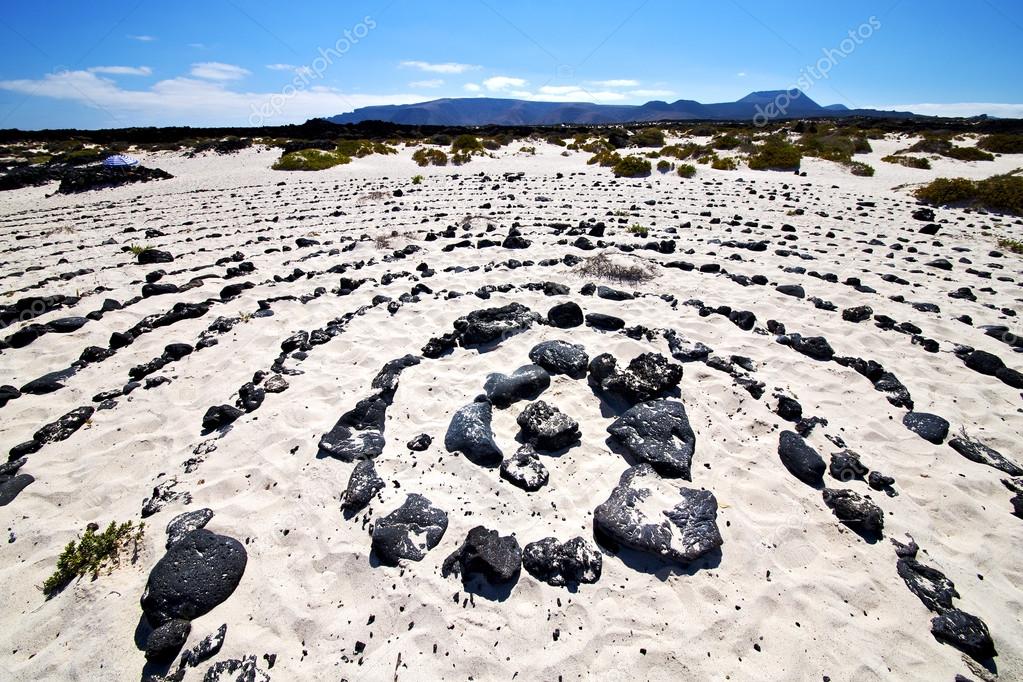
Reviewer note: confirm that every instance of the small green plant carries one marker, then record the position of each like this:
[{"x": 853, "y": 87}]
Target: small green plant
[
  {"x": 724, "y": 163},
  {"x": 663, "y": 166},
  {"x": 528, "y": 150},
  {"x": 631, "y": 167},
  {"x": 417, "y": 179},
  {"x": 638, "y": 230},
  {"x": 908, "y": 161},
  {"x": 686, "y": 170},
  {"x": 466, "y": 144},
  {"x": 605, "y": 157},
  {"x": 969, "y": 154},
  {"x": 648, "y": 137},
  {"x": 426, "y": 157},
  {"x": 1014, "y": 245},
  {"x": 91, "y": 553},
  {"x": 137, "y": 249}
]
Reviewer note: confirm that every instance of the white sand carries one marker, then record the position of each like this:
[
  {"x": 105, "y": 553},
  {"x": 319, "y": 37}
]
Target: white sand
[{"x": 814, "y": 596}]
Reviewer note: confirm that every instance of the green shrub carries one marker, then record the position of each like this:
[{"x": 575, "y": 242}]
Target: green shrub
[
  {"x": 908, "y": 161},
  {"x": 663, "y": 166},
  {"x": 947, "y": 191},
  {"x": 861, "y": 169},
  {"x": 930, "y": 145},
  {"x": 605, "y": 157},
  {"x": 426, "y": 157},
  {"x": 362, "y": 148},
  {"x": 466, "y": 144},
  {"x": 725, "y": 141},
  {"x": 1002, "y": 143},
  {"x": 528, "y": 150},
  {"x": 648, "y": 137},
  {"x": 417, "y": 179},
  {"x": 1003, "y": 193},
  {"x": 631, "y": 167},
  {"x": 310, "y": 160},
  {"x": 92, "y": 552},
  {"x": 776, "y": 153},
  {"x": 724, "y": 163},
  {"x": 617, "y": 139},
  {"x": 492, "y": 145},
  {"x": 638, "y": 230},
  {"x": 681, "y": 151},
  {"x": 440, "y": 139},
  {"x": 969, "y": 154},
  {"x": 686, "y": 170}
]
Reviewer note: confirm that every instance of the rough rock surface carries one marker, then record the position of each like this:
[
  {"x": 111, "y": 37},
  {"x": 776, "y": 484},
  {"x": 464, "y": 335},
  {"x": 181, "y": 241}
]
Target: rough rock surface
[
  {"x": 571, "y": 563},
  {"x": 486, "y": 554},
  {"x": 648, "y": 376},
  {"x": 359, "y": 433},
  {"x": 658, "y": 432},
  {"x": 546, "y": 427},
  {"x": 410, "y": 531},
  {"x": 928, "y": 426},
  {"x": 183, "y": 524},
  {"x": 363, "y": 484},
  {"x": 855, "y": 511},
  {"x": 975, "y": 451},
  {"x": 561, "y": 357},
  {"x": 525, "y": 470},
  {"x": 683, "y": 528},
  {"x": 492, "y": 324}
]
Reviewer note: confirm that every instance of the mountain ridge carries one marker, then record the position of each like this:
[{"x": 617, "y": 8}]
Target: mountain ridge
[{"x": 474, "y": 111}]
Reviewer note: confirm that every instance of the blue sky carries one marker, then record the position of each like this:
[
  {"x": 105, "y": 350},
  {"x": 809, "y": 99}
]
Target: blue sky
[{"x": 107, "y": 64}]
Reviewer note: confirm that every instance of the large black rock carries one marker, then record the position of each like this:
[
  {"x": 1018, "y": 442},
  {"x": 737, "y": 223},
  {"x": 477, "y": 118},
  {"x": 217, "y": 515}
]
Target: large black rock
[
  {"x": 195, "y": 575},
  {"x": 470, "y": 433},
  {"x": 933, "y": 588},
  {"x": 565, "y": 315},
  {"x": 492, "y": 324},
  {"x": 362, "y": 486},
  {"x": 561, "y": 357},
  {"x": 658, "y": 432},
  {"x": 410, "y": 531},
  {"x": 965, "y": 632},
  {"x": 800, "y": 459},
  {"x": 219, "y": 416},
  {"x": 547, "y": 427},
  {"x": 359, "y": 433},
  {"x": 650, "y": 514},
  {"x": 525, "y": 383},
  {"x": 975, "y": 451},
  {"x": 486, "y": 554},
  {"x": 928, "y": 426},
  {"x": 855, "y": 511},
  {"x": 648, "y": 376},
  {"x": 561, "y": 564},
  {"x": 62, "y": 429}
]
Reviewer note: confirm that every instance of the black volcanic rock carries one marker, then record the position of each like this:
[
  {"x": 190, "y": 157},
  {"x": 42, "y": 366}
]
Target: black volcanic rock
[
  {"x": 800, "y": 459},
  {"x": 928, "y": 426},
  {"x": 559, "y": 564},
  {"x": 565, "y": 315},
  {"x": 486, "y": 554},
  {"x": 492, "y": 324},
  {"x": 965, "y": 632},
  {"x": 471, "y": 435},
  {"x": 684, "y": 530},
  {"x": 546, "y": 427},
  {"x": 525, "y": 470},
  {"x": 196, "y": 574},
  {"x": 359, "y": 433},
  {"x": 855, "y": 511},
  {"x": 561, "y": 357},
  {"x": 363, "y": 484},
  {"x": 410, "y": 531},
  {"x": 648, "y": 376},
  {"x": 658, "y": 433},
  {"x": 975, "y": 451},
  {"x": 525, "y": 383}
]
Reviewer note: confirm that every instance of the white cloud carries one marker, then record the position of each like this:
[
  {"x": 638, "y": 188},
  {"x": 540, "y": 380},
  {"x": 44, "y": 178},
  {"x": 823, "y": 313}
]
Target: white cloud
[
  {"x": 616, "y": 83},
  {"x": 1001, "y": 110},
  {"x": 191, "y": 101},
  {"x": 429, "y": 83},
  {"x": 281, "y": 67},
  {"x": 741, "y": 74},
  {"x": 123, "y": 70},
  {"x": 218, "y": 71},
  {"x": 496, "y": 83},
  {"x": 651, "y": 93},
  {"x": 446, "y": 67},
  {"x": 143, "y": 39},
  {"x": 472, "y": 87}
]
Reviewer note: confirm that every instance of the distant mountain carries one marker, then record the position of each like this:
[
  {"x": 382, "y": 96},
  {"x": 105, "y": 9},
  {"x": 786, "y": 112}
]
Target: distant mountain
[{"x": 475, "y": 111}]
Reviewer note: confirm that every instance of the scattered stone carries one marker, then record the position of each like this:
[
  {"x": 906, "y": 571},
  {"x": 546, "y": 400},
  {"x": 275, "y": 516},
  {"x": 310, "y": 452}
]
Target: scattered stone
[
  {"x": 928, "y": 426},
  {"x": 525, "y": 470},
  {"x": 410, "y": 531},
  {"x": 562, "y": 564},
  {"x": 658, "y": 433},
  {"x": 561, "y": 357},
  {"x": 183, "y": 524},
  {"x": 649, "y": 514},
  {"x": 525, "y": 383},
  {"x": 547, "y": 427},
  {"x": 206, "y": 649},
  {"x": 800, "y": 459},
  {"x": 420, "y": 442},
  {"x": 485, "y": 554},
  {"x": 166, "y": 641},
  {"x": 855, "y": 511},
  {"x": 470, "y": 434},
  {"x": 648, "y": 376},
  {"x": 565, "y": 315},
  {"x": 975, "y": 451},
  {"x": 965, "y": 632},
  {"x": 220, "y": 416},
  {"x": 362, "y": 486},
  {"x": 359, "y": 433}
]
